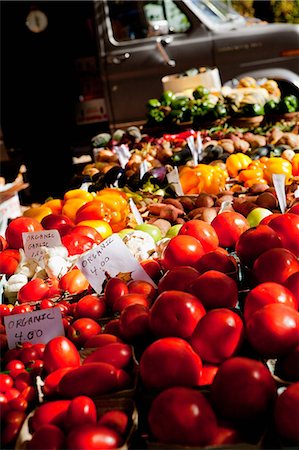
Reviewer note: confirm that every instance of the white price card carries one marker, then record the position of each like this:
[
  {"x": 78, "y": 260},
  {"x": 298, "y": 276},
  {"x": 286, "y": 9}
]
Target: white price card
[
  {"x": 199, "y": 147},
  {"x": 111, "y": 258},
  {"x": 191, "y": 145},
  {"x": 135, "y": 212},
  {"x": 35, "y": 242},
  {"x": 279, "y": 180},
  {"x": 123, "y": 154},
  {"x": 143, "y": 168},
  {"x": 174, "y": 179},
  {"x": 36, "y": 327}
]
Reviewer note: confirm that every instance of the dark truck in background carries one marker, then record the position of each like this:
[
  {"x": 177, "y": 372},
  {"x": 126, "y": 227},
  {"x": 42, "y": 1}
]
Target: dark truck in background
[{"x": 139, "y": 42}]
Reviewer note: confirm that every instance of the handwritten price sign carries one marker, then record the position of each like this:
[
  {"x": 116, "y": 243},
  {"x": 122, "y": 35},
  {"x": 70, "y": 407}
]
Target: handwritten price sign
[
  {"x": 111, "y": 258},
  {"x": 34, "y": 241},
  {"x": 35, "y": 327}
]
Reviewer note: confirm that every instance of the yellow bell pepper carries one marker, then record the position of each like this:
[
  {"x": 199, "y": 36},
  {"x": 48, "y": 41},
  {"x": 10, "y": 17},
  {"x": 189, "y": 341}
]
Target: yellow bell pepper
[
  {"x": 295, "y": 165},
  {"x": 280, "y": 166},
  {"x": 248, "y": 174},
  {"x": 78, "y": 193},
  {"x": 55, "y": 205},
  {"x": 71, "y": 207},
  {"x": 202, "y": 178},
  {"x": 101, "y": 226},
  {"x": 237, "y": 162},
  {"x": 38, "y": 212}
]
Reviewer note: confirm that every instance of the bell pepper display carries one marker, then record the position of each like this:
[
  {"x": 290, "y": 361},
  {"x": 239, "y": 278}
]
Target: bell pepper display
[
  {"x": 237, "y": 162},
  {"x": 202, "y": 178},
  {"x": 280, "y": 166}
]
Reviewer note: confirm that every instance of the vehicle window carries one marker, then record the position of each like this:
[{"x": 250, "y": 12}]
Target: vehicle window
[
  {"x": 217, "y": 11},
  {"x": 132, "y": 20}
]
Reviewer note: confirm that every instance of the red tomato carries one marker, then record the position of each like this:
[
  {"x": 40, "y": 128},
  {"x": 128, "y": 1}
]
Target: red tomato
[
  {"x": 294, "y": 209},
  {"x": 99, "y": 340},
  {"x": 273, "y": 330},
  {"x": 60, "y": 352},
  {"x": 243, "y": 389},
  {"x": 117, "y": 354},
  {"x": 12, "y": 393},
  {"x": 182, "y": 250},
  {"x": 227, "y": 434},
  {"x": 93, "y": 437},
  {"x": 51, "y": 381},
  {"x": 114, "y": 289},
  {"x": 33, "y": 291},
  {"x": 28, "y": 354},
  {"x": 182, "y": 416},
  {"x": 3, "y": 244},
  {"x": 287, "y": 366},
  {"x": 46, "y": 303},
  {"x": 112, "y": 327},
  {"x": 152, "y": 268},
  {"x": 16, "y": 227},
  {"x": 22, "y": 380},
  {"x": 90, "y": 306},
  {"x": 130, "y": 299},
  {"x": 115, "y": 419},
  {"x": 276, "y": 264},
  {"x": 292, "y": 283},
  {"x": 218, "y": 335},
  {"x": 20, "y": 309},
  {"x": 287, "y": 228},
  {"x": 80, "y": 330},
  {"x": 6, "y": 382},
  {"x": 58, "y": 222},
  {"x": 13, "y": 423},
  {"x": 4, "y": 310},
  {"x": 266, "y": 293},
  {"x": 285, "y": 414},
  {"x": 47, "y": 435},
  {"x": 9, "y": 261},
  {"x": 202, "y": 231},
  {"x": 267, "y": 219},
  {"x": 73, "y": 282},
  {"x": 77, "y": 243},
  {"x": 217, "y": 260},
  {"x": 208, "y": 374},
  {"x": 177, "y": 362},
  {"x": 255, "y": 241},
  {"x": 134, "y": 322},
  {"x": 215, "y": 290},
  {"x": 18, "y": 404},
  {"x": 15, "y": 364},
  {"x": 229, "y": 225},
  {"x": 178, "y": 279},
  {"x": 144, "y": 288},
  {"x": 53, "y": 412},
  {"x": 82, "y": 410},
  {"x": 175, "y": 313},
  {"x": 90, "y": 232},
  {"x": 40, "y": 348}
]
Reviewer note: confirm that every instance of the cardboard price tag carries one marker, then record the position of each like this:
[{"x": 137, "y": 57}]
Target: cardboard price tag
[
  {"x": 34, "y": 241},
  {"x": 36, "y": 327},
  {"x": 111, "y": 258}
]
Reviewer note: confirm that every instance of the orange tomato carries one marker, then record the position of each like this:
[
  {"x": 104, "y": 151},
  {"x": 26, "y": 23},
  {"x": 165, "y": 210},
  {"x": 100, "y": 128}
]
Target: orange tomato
[{"x": 73, "y": 282}]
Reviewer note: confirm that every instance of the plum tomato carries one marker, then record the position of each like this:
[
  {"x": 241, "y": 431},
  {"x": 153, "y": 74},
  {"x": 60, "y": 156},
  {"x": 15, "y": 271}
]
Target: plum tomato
[
  {"x": 81, "y": 329},
  {"x": 287, "y": 367},
  {"x": 276, "y": 264},
  {"x": 9, "y": 261},
  {"x": 199, "y": 424},
  {"x": 202, "y": 231},
  {"x": 143, "y": 287},
  {"x": 73, "y": 282},
  {"x": 178, "y": 279},
  {"x": 175, "y": 313},
  {"x": 50, "y": 434},
  {"x": 134, "y": 322},
  {"x": 218, "y": 260},
  {"x": 114, "y": 289},
  {"x": 285, "y": 413},
  {"x": 76, "y": 243},
  {"x": 177, "y": 362},
  {"x": 287, "y": 227},
  {"x": 90, "y": 232},
  {"x": 130, "y": 299},
  {"x": 33, "y": 291},
  {"x": 99, "y": 340},
  {"x": 243, "y": 389},
  {"x": 292, "y": 283},
  {"x": 58, "y": 222},
  {"x": 218, "y": 335},
  {"x": 93, "y": 437},
  {"x": 118, "y": 354},
  {"x": 16, "y": 227},
  {"x": 116, "y": 419},
  {"x": 82, "y": 410},
  {"x": 229, "y": 225},
  {"x": 60, "y": 352},
  {"x": 182, "y": 250},
  {"x": 90, "y": 306}
]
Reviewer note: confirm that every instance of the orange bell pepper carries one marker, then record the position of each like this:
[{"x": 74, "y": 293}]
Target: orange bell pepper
[
  {"x": 237, "y": 162},
  {"x": 78, "y": 193},
  {"x": 71, "y": 207},
  {"x": 280, "y": 166},
  {"x": 295, "y": 165},
  {"x": 56, "y": 205}
]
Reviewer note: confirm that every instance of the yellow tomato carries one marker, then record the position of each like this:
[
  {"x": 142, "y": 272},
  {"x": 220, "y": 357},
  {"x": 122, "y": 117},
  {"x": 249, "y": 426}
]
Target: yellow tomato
[
  {"x": 71, "y": 207},
  {"x": 38, "y": 212},
  {"x": 101, "y": 226},
  {"x": 78, "y": 193},
  {"x": 55, "y": 205}
]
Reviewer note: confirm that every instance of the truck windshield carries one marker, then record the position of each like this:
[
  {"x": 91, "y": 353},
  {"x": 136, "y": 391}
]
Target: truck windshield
[{"x": 217, "y": 11}]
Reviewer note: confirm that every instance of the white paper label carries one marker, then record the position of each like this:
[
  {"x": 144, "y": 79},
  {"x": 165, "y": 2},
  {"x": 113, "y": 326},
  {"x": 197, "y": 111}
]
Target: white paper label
[
  {"x": 279, "y": 180},
  {"x": 36, "y": 327},
  {"x": 143, "y": 168},
  {"x": 123, "y": 154},
  {"x": 111, "y": 258},
  {"x": 199, "y": 148},
  {"x": 33, "y": 242},
  {"x": 174, "y": 179},
  {"x": 135, "y": 212},
  {"x": 84, "y": 186},
  {"x": 191, "y": 145}
]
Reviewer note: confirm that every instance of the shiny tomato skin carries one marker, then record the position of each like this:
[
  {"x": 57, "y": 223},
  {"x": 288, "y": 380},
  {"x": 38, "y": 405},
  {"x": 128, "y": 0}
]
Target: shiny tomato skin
[
  {"x": 294, "y": 209},
  {"x": 218, "y": 335},
  {"x": 90, "y": 232},
  {"x": 76, "y": 243},
  {"x": 215, "y": 290},
  {"x": 292, "y": 283},
  {"x": 112, "y": 327},
  {"x": 130, "y": 299},
  {"x": 101, "y": 340},
  {"x": 28, "y": 354},
  {"x": 82, "y": 410},
  {"x": 13, "y": 423},
  {"x": 178, "y": 279},
  {"x": 58, "y": 222},
  {"x": 199, "y": 426},
  {"x": 20, "y": 309},
  {"x": 287, "y": 227},
  {"x": 217, "y": 260},
  {"x": 255, "y": 241},
  {"x": 114, "y": 289},
  {"x": 285, "y": 414},
  {"x": 181, "y": 250},
  {"x": 287, "y": 367},
  {"x": 117, "y": 354},
  {"x": 50, "y": 434},
  {"x": 175, "y": 313},
  {"x": 6, "y": 382},
  {"x": 93, "y": 437},
  {"x": 9, "y": 261},
  {"x": 116, "y": 419},
  {"x": 276, "y": 265},
  {"x": 243, "y": 389},
  {"x": 229, "y": 225},
  {"x": 51, "y": 412},
  {"x": 144, "y": 288},
  {"x": 81, "y": 329},
  {"x": 178, "y": 364},
  {"x": 60, "y": 352},
  {"x": 52, "y": 380},
  {"x": 18, "y": 404},
  {"x": 3, "y": 244},
  {"x": 208, "y": 374},
  {"x": 5, "y": 310},
  {"x": 73, "y": 282},
  {"x": 265, "y": 293},
  {"x": 33, "y": 291},
  {"x": 273, "y": 330},
  {"x": 152, "y": 268},
  {"x": 134, "y": 322},
  {"x": 90, "y": 306},
  {"x": 16, "y": 227},
  {"x": 202, "y": 231}
]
